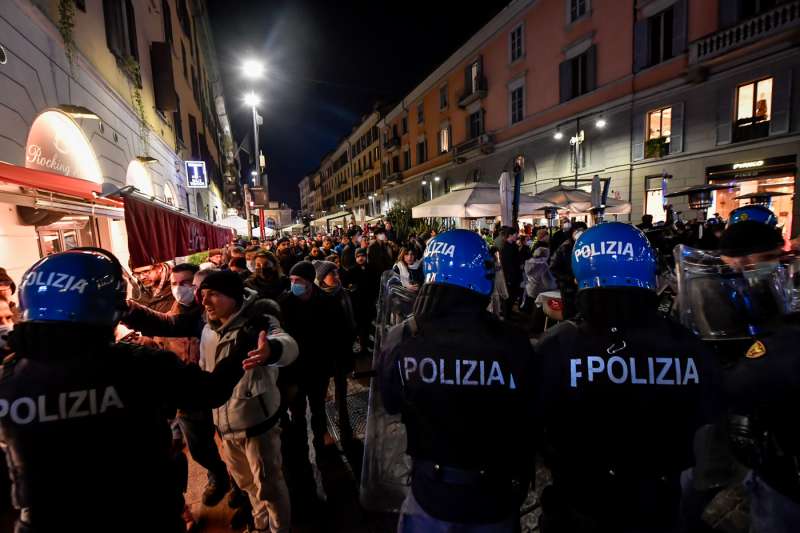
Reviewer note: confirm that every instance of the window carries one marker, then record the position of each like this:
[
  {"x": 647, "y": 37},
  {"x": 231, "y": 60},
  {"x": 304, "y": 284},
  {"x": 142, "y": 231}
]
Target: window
[
  {"x": 516, "y": 43},
  {"x": 420, "y": 113},
  {"x": 121, "y": 34},
  {"x": 577, "y": 9},
  {"x": 474, "y": 76},
  {"x": 183, "y": 56},
  {"x": 660, "y": 27},
  {"x": 396, "y": 164},
  {"x": 183, "y": 16},
  {"x": 475, "y": 124},
  {"x": 176, "y": 119},
  {"x": 404, "y": 124},
  {"x": 444, "y": 140},
  {"x": 166, "y": 13},
  {"x": 654, "y": 199},
  {"x": 577, "y": 76},
  {"x": 193, "y": 142},
  {"x": 422, "y": 152},
  {"x": 443, "y": 97},
  {"x": 753, "y": 110},
  {"x": 407, "y": 159},
  {"x": 659, "y": 132},
  {"x": 517, "y": 104}
]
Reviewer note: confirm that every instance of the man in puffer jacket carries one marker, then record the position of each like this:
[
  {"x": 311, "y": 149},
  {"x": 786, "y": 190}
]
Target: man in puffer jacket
[{"x": 247, "y": 422}]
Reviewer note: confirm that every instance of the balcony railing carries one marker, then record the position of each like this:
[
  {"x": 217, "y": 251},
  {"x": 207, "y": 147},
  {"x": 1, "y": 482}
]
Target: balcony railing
[
  {"x": 391, "y": 143},
  {"x": 395, "y": 177},
  {"x": 471, "y": 94},
  {"x": 777, "y": 20},
  {"x": 484, "y": 141}
]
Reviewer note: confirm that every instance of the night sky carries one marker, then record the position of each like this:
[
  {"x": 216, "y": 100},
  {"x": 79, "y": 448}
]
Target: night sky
[{"x": 328, "y": 62}]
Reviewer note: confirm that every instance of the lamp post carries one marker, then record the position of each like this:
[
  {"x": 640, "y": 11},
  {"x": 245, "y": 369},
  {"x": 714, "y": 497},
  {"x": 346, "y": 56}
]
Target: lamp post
[{"x": 252, "y": 100}]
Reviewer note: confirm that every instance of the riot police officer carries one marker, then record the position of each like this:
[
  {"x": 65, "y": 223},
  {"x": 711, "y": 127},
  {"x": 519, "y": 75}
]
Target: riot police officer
[
  {"x": 462, "y": 380},
  {"x": 622, "y": 391},
  {"x": 84, "y": 419},
  {"x": 763, "y": 384}
]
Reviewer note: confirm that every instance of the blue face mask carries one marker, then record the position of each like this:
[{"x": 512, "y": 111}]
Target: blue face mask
[{"x": 298, "y": 289}]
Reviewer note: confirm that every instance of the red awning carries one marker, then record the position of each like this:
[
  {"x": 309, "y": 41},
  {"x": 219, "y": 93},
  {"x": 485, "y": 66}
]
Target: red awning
[
  {"x": 158, "y": 233},
  {"x": 56, "y": 183}
]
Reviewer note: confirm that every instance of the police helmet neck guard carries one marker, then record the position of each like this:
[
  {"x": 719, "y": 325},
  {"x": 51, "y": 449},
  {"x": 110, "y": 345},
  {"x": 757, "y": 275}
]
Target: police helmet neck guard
[
  {"x": 614, "y": 255},
  {"x": 460, "y": 258},
  {"x": 80, "y": 286},
  {"x": 755, "y": 213}
]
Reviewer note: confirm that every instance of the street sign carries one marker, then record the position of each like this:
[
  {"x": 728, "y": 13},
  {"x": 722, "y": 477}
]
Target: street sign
[{"x": 196, "y": 176}]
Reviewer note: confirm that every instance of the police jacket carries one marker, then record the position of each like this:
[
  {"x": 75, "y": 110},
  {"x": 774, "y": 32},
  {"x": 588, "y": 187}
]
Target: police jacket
[
  {"x": 85, "y": 427},
  {"x": 463, "y": 381},
  {"x": 763, "y": 388},
  {"x": 620, "y": 407}
]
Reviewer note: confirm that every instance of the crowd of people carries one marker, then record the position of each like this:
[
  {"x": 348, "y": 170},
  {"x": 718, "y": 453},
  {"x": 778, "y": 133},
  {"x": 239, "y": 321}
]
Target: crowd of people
[{"x": 240, "y": 348}]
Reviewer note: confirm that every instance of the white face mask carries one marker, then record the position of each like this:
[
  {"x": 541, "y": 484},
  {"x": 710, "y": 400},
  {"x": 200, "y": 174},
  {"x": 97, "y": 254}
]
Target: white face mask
[{"x": 183, "y": 295}]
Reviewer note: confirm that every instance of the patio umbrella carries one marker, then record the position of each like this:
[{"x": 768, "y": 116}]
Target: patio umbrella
[
  {"x": 578, "y": 201},
  {"x": 475, "y": 200}
]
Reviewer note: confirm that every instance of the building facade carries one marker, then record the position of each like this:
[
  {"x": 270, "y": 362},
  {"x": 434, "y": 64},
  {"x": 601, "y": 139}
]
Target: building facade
[
  {"x": 636, "y": 91},
  {"x": 136, "y": 85}
]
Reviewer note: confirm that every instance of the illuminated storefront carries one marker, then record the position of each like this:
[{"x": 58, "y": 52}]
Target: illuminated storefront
[
  {"x": 776, "y": 175},
  {"x": 53, "y": 203}
]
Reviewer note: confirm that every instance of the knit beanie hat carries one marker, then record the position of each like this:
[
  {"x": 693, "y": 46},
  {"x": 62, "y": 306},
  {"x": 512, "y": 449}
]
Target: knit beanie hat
[
  {"x": 361, "y": 251},
  {"x": 225, "y": 282},
  {"x": 305, "y": 270},
  {"x": 323, "y": 268}
]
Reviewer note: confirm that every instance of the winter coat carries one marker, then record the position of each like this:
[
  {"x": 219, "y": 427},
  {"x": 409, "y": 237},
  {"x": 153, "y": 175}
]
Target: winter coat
[
  {"x": 270, "y": 288},
  {"x": 411, "y": 276},
  {"x": 254, "y": 405}
]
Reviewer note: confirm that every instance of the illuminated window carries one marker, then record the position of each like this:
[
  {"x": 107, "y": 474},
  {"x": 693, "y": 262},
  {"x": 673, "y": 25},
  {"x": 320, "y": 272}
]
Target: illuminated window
[
  {"x": 659, "y": 131},
  {"x": 753, "y": 110},
  {"x": 444, "y": 140}
]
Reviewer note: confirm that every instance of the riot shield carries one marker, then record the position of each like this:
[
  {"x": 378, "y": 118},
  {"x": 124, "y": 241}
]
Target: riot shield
[
  {"x": 718, "y": 301},
  {"x": 386, "y": 470}
]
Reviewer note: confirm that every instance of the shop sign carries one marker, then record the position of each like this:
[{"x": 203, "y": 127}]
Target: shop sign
[
  {"x": 749, "y": 164},
  {"x": 57, "y": 144},
  {"x": 196, "y": 176}
]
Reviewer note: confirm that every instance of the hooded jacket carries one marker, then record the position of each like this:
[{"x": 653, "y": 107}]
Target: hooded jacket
[{"x": 254, "y": 406}]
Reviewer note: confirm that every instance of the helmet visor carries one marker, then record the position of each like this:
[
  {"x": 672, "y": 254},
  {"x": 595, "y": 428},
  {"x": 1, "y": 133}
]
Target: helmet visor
[{"x": 727, "y": 298}]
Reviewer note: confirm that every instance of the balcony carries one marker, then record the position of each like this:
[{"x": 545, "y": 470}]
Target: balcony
[
  {"x": 471, "y": 95},
  {"x": 393, "y": 178},
  {"x": 392, "y": 143},
  {"x": 484, "y": 142},
  {"x": 783, "y": 17}
]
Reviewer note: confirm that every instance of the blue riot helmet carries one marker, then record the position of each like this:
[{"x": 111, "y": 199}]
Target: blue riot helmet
[
  {"x": 81, "y": 286},
  {"x": 461, "y": 258},
  {"x": 614, "y": 254},
  {"x": 755, "y": 213}
]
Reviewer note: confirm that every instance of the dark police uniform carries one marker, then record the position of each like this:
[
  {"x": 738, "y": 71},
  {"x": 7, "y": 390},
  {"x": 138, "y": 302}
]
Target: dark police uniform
[
  {"x": 463, "y": 382},
  {"x": 763, "y": 388},
  {"x": 620, "y": 413},
  {"x": 86, "y": 430}
]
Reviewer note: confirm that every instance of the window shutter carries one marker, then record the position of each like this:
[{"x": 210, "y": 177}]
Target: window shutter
[
  {"x": 467, "y": 80},
  {"x": 163, "y": 81},
  {"x": 676, "y": 137},
  {"x": 565, "y": 80},
  {"x": 781, "y": 98},
  {"x": 115, "y": 29},
  {"x": 642, "y": 45},
  {"x": 729, "y": 12},
  {"x": 133, "y": 38},
  {"x": 591, "y": 68},
  {"x": 724, "y": 116},
  {"x": 679, "y": 27},
  {"x": 637, "y": 136}
]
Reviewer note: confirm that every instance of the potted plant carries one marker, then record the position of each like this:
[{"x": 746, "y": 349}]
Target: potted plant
[{"x": 655, "y": 147}]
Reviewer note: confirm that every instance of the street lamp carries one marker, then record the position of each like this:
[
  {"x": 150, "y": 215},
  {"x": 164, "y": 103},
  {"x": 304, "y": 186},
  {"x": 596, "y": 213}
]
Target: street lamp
[
  {"x": 600, "y": 123},
  {"x": 252, "y": 100},
  {"x": 253, "y": 68}
]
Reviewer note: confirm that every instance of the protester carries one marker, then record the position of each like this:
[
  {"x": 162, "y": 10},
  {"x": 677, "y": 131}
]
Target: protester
[
  {"x": 239, "y": 266},
  {"x": 362, "y": 281},
  {"x": 378, "y": 253},
  {"x": 156, "y": 294},
  {"x": 341, "y": 345},
  {"x": 561, "y": 267},
  {"x": 409, "y": 268},
  {"x": 511, "y": 262},
  {"x": 267, "y": 279}
]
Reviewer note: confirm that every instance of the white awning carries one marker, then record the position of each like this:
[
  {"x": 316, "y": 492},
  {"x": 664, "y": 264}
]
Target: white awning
[{"x": 475, "y": 200}]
